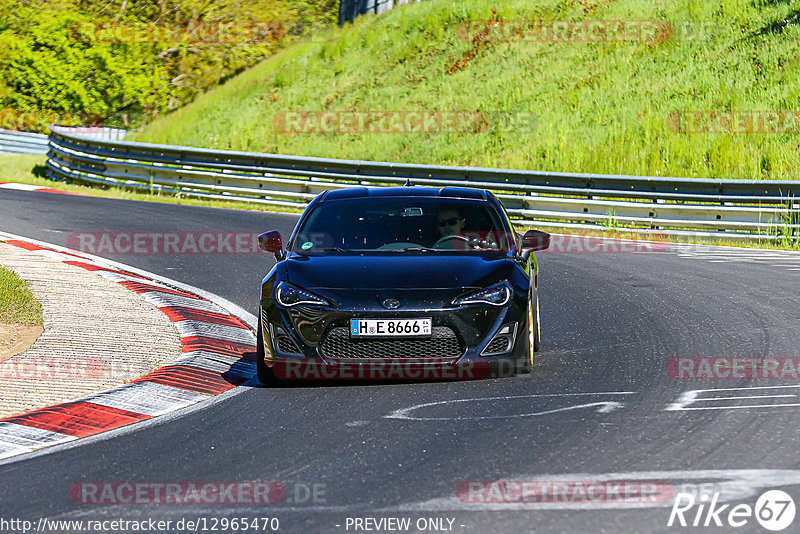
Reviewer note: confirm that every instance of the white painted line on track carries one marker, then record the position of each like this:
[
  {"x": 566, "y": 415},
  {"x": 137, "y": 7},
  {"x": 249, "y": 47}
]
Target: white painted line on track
[
  {"x": 603, "y": 406},
  {"x": 742, "y": 407},
  {"x": 753, "y": 397},
  {"x": 688, "y": 398}
]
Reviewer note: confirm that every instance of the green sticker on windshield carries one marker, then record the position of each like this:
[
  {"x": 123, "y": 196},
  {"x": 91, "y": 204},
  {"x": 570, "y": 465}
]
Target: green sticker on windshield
[{"x": 307, "y": 245}]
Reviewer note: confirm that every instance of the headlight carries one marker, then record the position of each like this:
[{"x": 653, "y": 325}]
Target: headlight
[
  {"x": 496, "y": 295},
  {"x": 288, "y": 295}
]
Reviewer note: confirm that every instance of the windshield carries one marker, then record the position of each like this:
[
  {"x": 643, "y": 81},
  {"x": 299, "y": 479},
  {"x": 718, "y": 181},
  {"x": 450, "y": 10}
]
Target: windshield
[{"x": 416, "y": 224}]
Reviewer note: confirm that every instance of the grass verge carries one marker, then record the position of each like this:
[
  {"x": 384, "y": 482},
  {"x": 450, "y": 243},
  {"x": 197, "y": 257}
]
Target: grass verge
[{"x": 17, "y": 303}]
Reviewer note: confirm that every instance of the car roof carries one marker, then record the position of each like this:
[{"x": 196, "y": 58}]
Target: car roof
[{"x": 405, "y": 191}]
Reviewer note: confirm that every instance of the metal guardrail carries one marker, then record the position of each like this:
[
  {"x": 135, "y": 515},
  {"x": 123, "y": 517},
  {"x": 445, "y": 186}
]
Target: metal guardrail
[
  {"x": 12, "y": 142},
  {"x": 680, "y": 206},
  {"x": 349, "y": 10},
  {"x": 95, "y": 132}
]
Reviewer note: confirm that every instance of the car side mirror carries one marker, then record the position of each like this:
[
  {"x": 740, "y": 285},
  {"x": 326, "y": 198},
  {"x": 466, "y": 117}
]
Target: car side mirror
[
  {"x": 534, "y": 240},
  {"x": 272, "y": 242}
]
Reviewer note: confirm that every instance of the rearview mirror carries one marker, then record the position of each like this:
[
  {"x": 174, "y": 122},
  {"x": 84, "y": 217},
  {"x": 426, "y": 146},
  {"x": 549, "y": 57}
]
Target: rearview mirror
[
  {"x": 271, "y": 242},
  {"x": 534, "y": 240}
]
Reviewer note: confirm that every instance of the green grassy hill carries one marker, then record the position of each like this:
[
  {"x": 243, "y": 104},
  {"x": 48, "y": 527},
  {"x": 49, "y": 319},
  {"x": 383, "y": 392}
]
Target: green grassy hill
[{"x": 610, "y": 107}]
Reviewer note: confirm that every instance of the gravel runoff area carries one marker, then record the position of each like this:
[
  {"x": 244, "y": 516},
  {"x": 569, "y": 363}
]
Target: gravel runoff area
[{"x": 97, "y": 335}]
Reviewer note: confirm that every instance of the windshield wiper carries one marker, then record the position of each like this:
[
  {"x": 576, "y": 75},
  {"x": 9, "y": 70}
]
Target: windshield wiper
[
  {"x": 327, "y": 249},
  {"x": 414, "y": 249}
]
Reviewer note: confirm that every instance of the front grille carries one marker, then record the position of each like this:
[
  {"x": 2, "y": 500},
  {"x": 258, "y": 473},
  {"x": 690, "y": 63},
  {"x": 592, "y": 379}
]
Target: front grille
[
  {"x": 498, "y": 345},
  {"x": 443, "y": 344},
  {"x": 287, "y": 345}
]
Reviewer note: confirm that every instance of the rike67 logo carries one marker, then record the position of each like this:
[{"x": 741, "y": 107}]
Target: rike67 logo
[{"x": 774, "y": 510}]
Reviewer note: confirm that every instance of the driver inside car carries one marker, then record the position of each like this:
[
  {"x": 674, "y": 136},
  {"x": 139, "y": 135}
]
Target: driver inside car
[{"x": 450, "y": 225}]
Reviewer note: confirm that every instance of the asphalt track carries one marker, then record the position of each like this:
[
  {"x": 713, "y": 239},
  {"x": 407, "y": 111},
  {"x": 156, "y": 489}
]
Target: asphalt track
[{"x": 595, "y": 408}]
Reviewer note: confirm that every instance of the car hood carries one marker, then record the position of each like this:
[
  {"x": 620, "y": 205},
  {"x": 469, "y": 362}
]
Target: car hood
[{"x": 421, "y": 272}]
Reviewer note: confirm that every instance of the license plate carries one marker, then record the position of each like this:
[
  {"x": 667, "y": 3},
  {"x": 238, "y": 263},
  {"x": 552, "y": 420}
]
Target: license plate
[{"x": 390, "y": 327}]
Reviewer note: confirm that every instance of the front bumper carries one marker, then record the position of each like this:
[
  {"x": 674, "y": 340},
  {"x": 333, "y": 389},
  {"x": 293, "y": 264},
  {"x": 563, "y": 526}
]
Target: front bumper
[{"x": 313, "y": 342}]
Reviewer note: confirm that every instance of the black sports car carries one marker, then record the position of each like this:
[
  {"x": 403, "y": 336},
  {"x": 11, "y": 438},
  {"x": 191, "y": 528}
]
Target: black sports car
[{"x": 400, "y": 282}]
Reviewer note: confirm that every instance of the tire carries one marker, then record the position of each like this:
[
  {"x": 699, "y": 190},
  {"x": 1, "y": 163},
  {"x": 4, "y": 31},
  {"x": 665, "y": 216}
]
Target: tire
[
  {"x": 529, "y": 338},
  {"x": 537, "y": 336},
  {"x": 265, "y": 374}
]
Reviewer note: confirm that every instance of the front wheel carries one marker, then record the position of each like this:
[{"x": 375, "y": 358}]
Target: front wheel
[
  {"x": 530, "y": 337},
  {"x": 265, "y": 374},
  {"x": 537, "y": 336}
]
